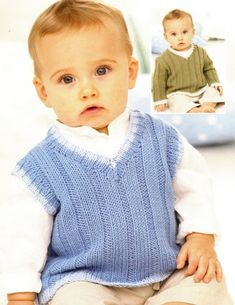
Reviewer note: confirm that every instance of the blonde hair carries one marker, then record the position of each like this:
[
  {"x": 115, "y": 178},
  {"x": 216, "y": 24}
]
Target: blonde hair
[
  {"x": 176, "y": 14},
  {"x": 74, "y": 14}
]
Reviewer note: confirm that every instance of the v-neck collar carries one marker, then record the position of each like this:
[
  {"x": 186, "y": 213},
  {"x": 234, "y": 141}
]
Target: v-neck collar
[
  {"x": 179, "y": 53},
  {"x": 92, "y": 161}
]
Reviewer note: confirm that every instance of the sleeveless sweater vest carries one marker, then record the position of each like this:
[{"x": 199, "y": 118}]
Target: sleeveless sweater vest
[{"x": 114, "y": 219}]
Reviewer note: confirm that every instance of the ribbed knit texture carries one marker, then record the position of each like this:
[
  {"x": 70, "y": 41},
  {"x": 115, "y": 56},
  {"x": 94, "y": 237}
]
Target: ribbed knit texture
[
  {"x": 114, "y": 220},
  {"x": 174, "y": 73}
]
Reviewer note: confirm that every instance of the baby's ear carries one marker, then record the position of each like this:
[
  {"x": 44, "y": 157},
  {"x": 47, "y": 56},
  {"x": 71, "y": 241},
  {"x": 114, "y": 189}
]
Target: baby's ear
[
  {"x": 133, "y": 71},
  {"x": 41, "y": 90}
]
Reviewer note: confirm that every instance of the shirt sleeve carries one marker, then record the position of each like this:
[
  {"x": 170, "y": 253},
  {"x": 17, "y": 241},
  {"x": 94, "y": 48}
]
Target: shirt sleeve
[
  {"x": 193, "y": 195},
  {"x": 25, "y": 230}
]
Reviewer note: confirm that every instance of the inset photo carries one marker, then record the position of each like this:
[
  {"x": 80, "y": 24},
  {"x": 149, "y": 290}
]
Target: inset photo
[{"x": 188, "y": 62}]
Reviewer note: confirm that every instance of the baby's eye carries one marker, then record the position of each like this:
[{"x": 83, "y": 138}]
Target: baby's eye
[
  {"x": 102, "y": 71},
  {"x": 173, "y": 34},
  {"x": 66, "y": 79},
  {"x": 185, "y": 32}
]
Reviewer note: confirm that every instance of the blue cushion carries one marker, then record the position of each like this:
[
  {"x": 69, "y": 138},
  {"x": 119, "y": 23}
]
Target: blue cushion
[{"x": 204, "y": 129}]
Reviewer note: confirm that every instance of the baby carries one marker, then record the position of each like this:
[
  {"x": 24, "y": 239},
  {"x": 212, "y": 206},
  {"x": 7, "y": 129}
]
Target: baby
[
  {"x": 113, "y": 206},
  {"x": 184, "y": 79}
]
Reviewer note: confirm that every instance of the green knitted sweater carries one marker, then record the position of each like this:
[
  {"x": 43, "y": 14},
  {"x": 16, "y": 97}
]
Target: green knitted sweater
[{"x": 174, "y": 73}]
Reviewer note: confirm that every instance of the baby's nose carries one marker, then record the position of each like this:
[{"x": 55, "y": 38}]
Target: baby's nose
[
  {"x": 88, "y": 92},
  {"x": 180, "y": 37}
]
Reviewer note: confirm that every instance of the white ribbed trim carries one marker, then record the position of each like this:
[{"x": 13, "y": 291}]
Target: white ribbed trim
[
  {"x": 216, "y": 85},
  {"x": 162, "y": 102},
  {"x": 197, "y": 93}
]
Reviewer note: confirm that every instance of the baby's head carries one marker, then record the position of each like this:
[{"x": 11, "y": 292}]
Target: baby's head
[
  {"x": 74, "y": 15},
  {"x": 83, "y": 62},
  {"x": 178, "y": 29}
]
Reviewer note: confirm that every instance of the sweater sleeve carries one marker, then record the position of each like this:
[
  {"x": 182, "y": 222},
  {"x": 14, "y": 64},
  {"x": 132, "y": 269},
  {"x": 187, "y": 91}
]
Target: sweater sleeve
[
  {"x": 25, "y": 229},
  {"x": 193, "y": 195},
  {"x": 209, "y": 70},
  {"x": 159, "y": 81}
]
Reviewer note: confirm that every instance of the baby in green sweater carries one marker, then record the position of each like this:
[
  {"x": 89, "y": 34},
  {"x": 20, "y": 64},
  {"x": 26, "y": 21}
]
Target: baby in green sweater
[{"x": 184, "y": 79}]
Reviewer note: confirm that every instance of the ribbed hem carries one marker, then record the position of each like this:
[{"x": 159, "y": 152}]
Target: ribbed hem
[{"x": 48, "y": 293}]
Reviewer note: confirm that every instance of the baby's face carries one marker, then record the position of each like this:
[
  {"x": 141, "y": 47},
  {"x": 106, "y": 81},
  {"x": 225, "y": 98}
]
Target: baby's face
[
  {"x": 85, "y": 75},
  {"x": 179, "y": 33}
]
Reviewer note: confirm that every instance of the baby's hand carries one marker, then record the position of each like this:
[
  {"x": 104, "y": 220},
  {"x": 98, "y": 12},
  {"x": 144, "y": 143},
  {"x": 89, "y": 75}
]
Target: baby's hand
[
  {"x": 199, "y": 252},
  {"x": 160, "y": 108},
  {"x": 220, "y": 89}
]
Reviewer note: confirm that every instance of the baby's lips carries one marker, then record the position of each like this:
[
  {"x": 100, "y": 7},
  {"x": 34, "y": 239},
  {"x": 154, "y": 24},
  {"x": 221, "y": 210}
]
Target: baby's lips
[{"x": 92, "y": 109}]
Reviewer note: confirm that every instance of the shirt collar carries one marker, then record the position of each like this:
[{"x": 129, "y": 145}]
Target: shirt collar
[{"x": 185, "y": 54}]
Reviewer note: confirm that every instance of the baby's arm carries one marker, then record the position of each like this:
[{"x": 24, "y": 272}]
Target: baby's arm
[
  {"x": 25, "y": 229},
  {"x": 198, "y": 251},
  {"x": 159, "y": 80},
  {"x": 194, "y": 205},
  {"x": 209, "y": 70}
]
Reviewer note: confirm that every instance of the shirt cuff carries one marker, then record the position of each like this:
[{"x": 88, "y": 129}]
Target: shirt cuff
[
  {"x": 161, "y": 102},
  {"x": 21, "y": 282},
  {"x": 215, "y": 85},
  {"x": 186, "y": 229}
]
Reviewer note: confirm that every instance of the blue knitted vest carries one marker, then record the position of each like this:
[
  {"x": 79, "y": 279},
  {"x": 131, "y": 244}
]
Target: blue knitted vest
[{"x": 114, "y": 220}]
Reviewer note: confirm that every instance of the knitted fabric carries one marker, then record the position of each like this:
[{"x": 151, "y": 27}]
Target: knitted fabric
[
  {"x": 114, "y": 220},
  {"x": 174, "y": 73}
]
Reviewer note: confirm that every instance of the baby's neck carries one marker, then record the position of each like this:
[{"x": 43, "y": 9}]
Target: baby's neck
[{"x": 103, "y": 130}]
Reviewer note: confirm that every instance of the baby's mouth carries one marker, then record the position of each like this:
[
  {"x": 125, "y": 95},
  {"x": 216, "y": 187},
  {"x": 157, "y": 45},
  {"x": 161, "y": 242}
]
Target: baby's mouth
[{"x": 91, "y": 110}]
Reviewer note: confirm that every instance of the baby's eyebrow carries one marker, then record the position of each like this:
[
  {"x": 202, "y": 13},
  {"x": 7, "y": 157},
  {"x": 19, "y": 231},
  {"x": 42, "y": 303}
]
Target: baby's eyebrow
[
  {"x": 104, "y": 60},
  {"x": 60, "y": 71}
]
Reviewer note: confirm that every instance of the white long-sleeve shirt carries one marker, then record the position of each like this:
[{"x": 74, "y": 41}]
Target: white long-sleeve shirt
[{"x": 25, "y": 226}]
